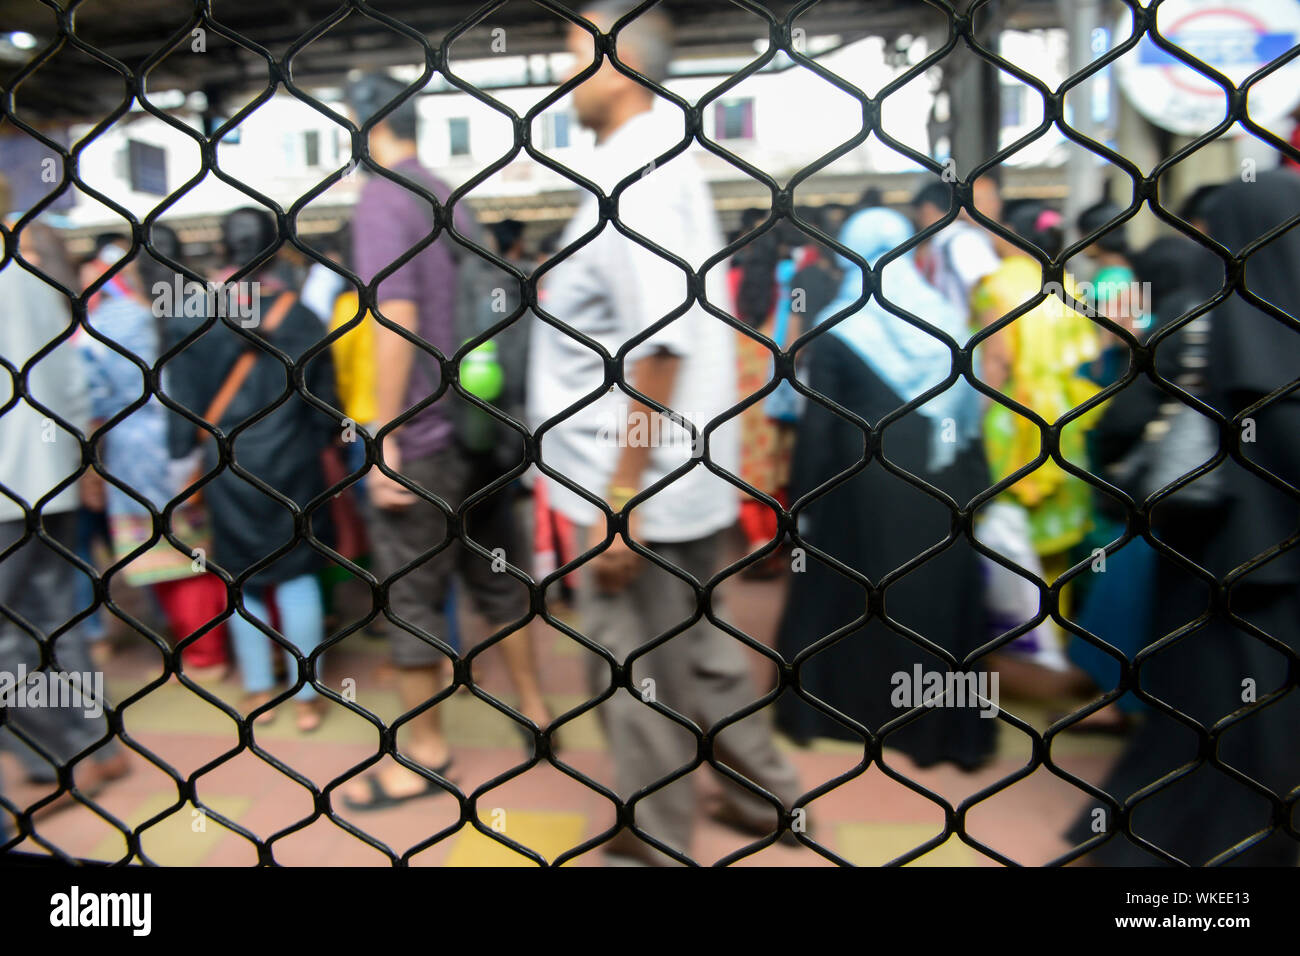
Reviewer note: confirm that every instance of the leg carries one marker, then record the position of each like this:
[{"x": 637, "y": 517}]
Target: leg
[
  {"x": 253, "y": 651},
  {"x": 302, "y": 617},
  {"x": 189, "y": 604},
  {"x": 500, "y": 598},
  {"x": 88, "y": 524},
  {"x": 723, "y": 684},
  {"x": 521, "y": 661},
  {"x": 645, "y": 745},
  {"x": 38, "y": 585},
  {"x": 417, "y": 597}
]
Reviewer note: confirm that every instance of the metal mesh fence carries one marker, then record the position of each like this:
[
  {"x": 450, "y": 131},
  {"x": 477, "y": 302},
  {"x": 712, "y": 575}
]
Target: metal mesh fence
[{"x": 963, "y": 33}]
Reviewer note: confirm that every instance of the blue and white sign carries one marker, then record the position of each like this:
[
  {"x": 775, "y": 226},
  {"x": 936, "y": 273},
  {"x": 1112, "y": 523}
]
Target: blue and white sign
[{"x": 1235, "y": 37}]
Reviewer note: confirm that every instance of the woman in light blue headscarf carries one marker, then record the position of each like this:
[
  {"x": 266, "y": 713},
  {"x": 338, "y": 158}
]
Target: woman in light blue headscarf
[
  {"x": 909, "y": 360},
  {"x": 872, "y": 363}
]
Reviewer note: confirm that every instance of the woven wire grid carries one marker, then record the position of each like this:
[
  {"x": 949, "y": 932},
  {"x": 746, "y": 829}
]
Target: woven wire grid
[{"x": 962, "y": 31}]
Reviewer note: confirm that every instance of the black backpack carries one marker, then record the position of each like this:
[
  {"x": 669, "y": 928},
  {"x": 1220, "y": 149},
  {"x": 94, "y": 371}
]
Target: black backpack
[{"x": 485, "y": 295}]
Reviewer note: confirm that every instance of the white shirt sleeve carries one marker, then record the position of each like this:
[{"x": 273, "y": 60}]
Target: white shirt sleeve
[{"x": 972, "y": 257}]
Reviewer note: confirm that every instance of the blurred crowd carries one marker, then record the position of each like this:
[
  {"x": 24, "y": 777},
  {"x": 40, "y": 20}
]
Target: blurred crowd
[{"x": 929, "y": 424}]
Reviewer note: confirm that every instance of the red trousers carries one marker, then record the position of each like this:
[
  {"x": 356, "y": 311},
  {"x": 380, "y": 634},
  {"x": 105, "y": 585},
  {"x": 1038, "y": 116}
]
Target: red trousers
[{"x": 189, "y": 603}]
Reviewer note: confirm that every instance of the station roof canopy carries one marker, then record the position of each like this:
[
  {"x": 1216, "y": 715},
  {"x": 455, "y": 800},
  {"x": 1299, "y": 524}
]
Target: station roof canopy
[{"x": 72, "y": 84}]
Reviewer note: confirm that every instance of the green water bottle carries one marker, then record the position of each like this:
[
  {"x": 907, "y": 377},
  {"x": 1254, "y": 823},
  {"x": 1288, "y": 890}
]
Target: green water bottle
[{"x": 482, "y": 376}]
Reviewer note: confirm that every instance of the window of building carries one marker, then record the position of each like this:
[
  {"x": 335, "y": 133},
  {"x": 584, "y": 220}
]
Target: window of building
[
  {"x": 555, "y": 130},
  {"x": 458, "y": 135},
  {"x": 311, "y": 147},
  {"x": 1013, "y": 103},
  {"x": 146, "y": 167},
  {"x": 734, "y": 119}
]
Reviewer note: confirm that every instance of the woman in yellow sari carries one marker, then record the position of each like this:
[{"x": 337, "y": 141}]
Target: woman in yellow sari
[{"x": 1036, "y": 361}]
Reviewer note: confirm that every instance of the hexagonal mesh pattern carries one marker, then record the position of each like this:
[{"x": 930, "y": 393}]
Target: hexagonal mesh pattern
[{"x": 962, "y": 34}]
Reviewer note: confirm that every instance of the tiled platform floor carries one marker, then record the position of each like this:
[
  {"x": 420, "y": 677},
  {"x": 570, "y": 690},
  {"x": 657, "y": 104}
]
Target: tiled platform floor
[{"x": 869, "y": 820}]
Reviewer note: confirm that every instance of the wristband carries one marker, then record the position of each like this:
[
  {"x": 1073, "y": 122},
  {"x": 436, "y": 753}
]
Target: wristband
[{"x": 619, "y": 495}]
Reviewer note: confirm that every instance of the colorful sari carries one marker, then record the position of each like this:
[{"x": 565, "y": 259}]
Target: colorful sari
[{"x": 1048, "y": 346}]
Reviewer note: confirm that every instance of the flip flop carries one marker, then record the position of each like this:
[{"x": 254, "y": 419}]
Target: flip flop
[{"x": 381, "y": 799}]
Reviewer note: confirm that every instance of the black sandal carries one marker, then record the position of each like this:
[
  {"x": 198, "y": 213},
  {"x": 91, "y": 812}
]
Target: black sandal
[{"x": 381, "y": 799}]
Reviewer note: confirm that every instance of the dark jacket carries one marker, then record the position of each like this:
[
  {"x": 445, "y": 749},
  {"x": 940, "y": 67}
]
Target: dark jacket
[{"x": 281, "y": 448}]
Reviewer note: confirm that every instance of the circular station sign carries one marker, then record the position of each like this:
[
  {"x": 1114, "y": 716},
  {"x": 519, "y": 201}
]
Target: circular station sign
[{"x": 1235, "y": 37}]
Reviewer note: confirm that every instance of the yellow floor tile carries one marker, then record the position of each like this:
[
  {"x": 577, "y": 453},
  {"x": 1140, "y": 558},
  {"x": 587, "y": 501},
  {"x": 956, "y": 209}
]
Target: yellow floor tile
[
  {"x": 177, "y": 839},
  {"x": 547, "y": 833},
  {"x": 872, "y": 844}
]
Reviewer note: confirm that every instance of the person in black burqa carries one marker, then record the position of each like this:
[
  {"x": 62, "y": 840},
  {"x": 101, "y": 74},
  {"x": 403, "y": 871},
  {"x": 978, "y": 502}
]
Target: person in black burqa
[
  {"x": 1221, "y": 669},
  {"x": 871, "y": 362}
]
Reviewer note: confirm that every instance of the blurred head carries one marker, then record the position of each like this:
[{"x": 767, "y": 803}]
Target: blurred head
[
  {"x": 88, "y": 270},
  {"x": 607, "y": 99},
  {"x": 1036, "y": 223},
  {"x": 931, "y": 203},
  {"x": 152, "y": 271},
  {"x": 1113, "y": 245},
  {"x": 833, "y": 216},
  {"x": 43, "y": 247},
  {"x": 394, "y": 136},
  {"x": 245, "y": 234},
  {"x": 110, "y": 250},
  {"x": 1193, "y": 207},
  {"x": 509, "y": 237},
  {"x": 871, "y": 198},
  {"x": 110, "y": 247},
  {"x": 873, "y": 232},
  {"x": 751, "y": 217},
  {"x": 337, "y": 246},
  {"x": 1239, "y": 213}
]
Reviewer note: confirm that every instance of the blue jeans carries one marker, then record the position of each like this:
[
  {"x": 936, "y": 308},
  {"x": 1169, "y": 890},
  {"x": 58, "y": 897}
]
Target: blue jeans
[
  {"x": 90, "y": 524},
  {"x": 302, "y": 622}
]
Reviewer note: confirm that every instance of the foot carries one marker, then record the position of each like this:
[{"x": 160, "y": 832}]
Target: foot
[
  {"x": 109, "y": 769},
  {"x": 91, "y": 778},
  {"x": 310, "y": 714},
  {"x": 729, "y": 817},
  {"x": 208, "y": 674},
  {"x": 391, "y": 787},
  {"x": 254, "y": 701}
]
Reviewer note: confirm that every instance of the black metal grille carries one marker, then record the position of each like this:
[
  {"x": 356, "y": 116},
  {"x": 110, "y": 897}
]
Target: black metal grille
[{"x": 962, "y": 33}]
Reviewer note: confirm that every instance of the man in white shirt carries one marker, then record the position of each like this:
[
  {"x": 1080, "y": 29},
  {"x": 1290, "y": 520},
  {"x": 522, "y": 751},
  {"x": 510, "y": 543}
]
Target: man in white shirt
[
  {"x": 613, "y": 291},
  {"x": 37, "y": 584},
  {"x": 960, "y": 254}
]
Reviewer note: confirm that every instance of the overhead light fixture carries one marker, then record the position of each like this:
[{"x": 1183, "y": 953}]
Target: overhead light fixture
[{"x": 22, "y": 40}]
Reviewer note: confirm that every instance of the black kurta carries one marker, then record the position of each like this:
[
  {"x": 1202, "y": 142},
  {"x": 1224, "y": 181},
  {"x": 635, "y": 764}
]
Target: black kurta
[
  {"x": 283, "y": 449},
  {"x": 874, "y": 523}
]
